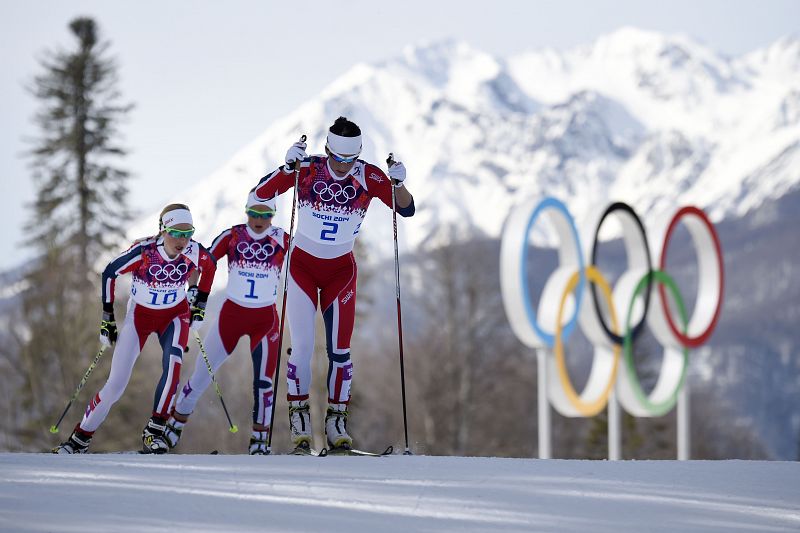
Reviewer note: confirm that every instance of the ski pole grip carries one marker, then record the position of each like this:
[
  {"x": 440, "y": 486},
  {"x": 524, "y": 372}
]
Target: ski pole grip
[
  {"x": 295, "y": 166},
  {"x": 389, "y": 163}
]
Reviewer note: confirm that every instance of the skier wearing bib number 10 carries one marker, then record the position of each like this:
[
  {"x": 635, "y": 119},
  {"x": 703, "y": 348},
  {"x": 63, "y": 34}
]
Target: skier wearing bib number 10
[
  {"x": 333, "y": 194},
  {"x": 160, "y": 267},
  {"x": 255, "y": 253}
]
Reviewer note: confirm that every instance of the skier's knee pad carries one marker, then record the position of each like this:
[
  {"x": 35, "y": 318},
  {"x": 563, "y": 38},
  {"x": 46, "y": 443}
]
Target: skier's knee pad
[
  {"x": 262, "y": 384},
  {"x": 338, "y": 357}
]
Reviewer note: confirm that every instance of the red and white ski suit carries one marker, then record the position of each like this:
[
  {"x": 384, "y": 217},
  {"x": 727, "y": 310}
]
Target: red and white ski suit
[
  {"x": 157, "y": 305},
  {"x": 254, "y": 268},
  {"x": 322, "y": 267}
]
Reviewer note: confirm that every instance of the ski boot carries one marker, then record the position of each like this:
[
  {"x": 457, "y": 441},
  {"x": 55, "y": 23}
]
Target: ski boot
[
  {"x": 304, "y": 448},
  {"x": 336, "y": 428},
  {"x": 153, "y": 440},
  {"x": 259, "y": 440},
  {"x": 172, "y": 433},
  {"x": 78, "y": 442},
  {"x": 300, "y": 424}
]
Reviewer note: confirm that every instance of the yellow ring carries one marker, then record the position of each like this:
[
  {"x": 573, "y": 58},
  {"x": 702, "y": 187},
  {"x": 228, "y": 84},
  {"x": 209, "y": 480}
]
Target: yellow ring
[{"x": 585, "y": 407}]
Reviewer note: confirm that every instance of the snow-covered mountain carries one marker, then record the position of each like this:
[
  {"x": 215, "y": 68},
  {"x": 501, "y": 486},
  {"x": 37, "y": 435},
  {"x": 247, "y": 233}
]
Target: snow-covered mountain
[{"x": 655, "y": 120}]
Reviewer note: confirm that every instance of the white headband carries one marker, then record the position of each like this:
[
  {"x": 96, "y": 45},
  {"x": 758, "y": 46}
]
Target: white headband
[
  {"x": 176, "y": 216},
  {"x": 344, "y": 145},
  {"x": 252, "y": 200}
]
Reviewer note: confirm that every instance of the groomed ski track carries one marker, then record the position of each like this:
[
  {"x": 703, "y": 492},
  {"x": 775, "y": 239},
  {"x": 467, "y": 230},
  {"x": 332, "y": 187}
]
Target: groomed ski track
[{"x": 116, "y": 492}]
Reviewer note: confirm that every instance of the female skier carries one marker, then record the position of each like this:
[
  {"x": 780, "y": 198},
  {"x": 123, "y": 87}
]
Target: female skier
[
  {"x": 255, "y": 253},
  {"x": 334, "y": 192},
  {"x": 160, "y": 267}
]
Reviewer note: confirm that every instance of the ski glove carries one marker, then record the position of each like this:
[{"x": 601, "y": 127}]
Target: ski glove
[
  {"x": 191, "y": 294},
  {"x": 198, "y": 310},
  {"x": 296, "y": 153},
  {"x": 397, "y": 173},
  {"x": 108, "y": 329}
]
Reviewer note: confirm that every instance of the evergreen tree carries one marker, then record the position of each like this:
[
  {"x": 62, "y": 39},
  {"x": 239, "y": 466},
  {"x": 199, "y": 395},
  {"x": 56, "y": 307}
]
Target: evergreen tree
[
  {"x": 80, "y": 205},
  {"x": 78, "y": 213}
]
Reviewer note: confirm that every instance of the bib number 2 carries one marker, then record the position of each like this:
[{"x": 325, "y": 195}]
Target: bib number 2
[{"x": 328, "y": 232}]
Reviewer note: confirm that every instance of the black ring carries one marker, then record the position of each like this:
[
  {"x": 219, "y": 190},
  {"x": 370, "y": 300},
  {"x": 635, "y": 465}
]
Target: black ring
[{"x": 637, "y": 329}]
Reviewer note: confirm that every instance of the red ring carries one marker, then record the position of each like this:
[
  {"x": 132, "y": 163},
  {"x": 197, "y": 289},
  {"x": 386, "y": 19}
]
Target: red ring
[{"x": 685, "y": 340}]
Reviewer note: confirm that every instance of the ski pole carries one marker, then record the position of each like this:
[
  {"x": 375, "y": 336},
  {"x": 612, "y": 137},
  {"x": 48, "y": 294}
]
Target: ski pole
[
  {"x": 283, "y": 305},
  {"x": 54, "y": 427},
  {"x": 233, "y": 427},
  {"x": 390, "y": 162}
]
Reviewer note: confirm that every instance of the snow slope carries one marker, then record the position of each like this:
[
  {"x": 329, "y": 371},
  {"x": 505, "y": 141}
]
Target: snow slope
[
  {"x": 282, "y": 493},
  {"x": 655, "y": 120}
]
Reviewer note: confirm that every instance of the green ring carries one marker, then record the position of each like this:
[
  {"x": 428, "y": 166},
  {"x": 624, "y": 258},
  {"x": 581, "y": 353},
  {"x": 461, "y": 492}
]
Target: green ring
[{"x": 656, "y": 409}]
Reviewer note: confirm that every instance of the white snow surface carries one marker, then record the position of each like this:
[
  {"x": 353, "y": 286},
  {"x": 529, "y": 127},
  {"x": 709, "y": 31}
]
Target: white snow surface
[{"x": 131, "y": 492}]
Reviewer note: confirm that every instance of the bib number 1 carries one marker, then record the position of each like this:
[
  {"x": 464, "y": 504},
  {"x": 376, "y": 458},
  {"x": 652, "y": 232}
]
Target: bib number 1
[{"x": 252, "y": 293}]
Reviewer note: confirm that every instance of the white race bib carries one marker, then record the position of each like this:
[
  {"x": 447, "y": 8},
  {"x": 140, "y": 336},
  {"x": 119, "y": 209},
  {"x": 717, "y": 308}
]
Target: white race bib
[{"x": 324, "y": 227}]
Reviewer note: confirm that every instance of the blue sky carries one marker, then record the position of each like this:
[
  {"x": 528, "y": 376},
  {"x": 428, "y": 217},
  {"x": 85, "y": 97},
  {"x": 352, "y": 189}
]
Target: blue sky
[{"x": 207, "y": 76}]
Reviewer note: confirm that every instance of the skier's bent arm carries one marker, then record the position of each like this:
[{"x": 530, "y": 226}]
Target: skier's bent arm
[
  {"x": 405, "y": 202},
  {"x": 282, "y": 179},
  {"x": 274, "y": 184},
  {"x": 125, "y": 262}
]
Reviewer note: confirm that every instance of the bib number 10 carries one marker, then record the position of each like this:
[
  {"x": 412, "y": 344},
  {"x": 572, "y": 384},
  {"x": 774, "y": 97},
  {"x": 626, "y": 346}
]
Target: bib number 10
[{"x": 167, "y": 298}]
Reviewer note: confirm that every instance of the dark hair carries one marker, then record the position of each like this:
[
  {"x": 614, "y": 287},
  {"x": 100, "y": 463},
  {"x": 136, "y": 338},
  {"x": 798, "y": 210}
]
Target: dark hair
[{"x": 345, "y": 128}]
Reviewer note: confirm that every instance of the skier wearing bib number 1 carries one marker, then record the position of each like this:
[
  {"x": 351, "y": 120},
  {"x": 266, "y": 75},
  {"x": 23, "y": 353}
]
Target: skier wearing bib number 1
[
  {"x": 161, "y": 267},
  {"x": 255, "y": 253},
  {"x": 334, "y": 192}
]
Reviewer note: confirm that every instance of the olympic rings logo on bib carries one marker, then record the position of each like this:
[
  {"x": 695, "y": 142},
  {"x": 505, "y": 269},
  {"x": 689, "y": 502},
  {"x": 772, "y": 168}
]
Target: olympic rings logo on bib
[
  {"x": 334, "y": 191},
  {"x": 255, "y": 250},
  {"x": 170, "y": 271},
  {"x": 612, "y": 322}
]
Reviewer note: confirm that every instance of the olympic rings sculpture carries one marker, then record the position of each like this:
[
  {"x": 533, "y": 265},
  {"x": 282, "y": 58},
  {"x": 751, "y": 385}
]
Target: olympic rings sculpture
[
  {"x": 334, "y": 191},
  {"x": 255, "y": 250},
  {"x": 169, "y": 271},
  {"x": 639, "y": 296}
]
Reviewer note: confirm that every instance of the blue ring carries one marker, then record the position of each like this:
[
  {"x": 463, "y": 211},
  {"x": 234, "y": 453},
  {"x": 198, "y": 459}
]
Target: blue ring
[{"x": 549, "y": 339}]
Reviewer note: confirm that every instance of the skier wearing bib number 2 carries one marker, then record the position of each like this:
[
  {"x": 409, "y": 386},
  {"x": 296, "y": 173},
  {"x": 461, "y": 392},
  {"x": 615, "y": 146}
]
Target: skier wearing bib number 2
[
  {"x": 160, "y": 267},
  {"x": 255, "y": 253},
  {"x": 334, "y": 192}
]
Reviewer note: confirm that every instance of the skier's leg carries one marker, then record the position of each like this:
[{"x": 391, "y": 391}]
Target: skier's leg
[
  {"x": 264, "y": 351},
  {"x": 173, "y": 337},
  {"x": 219, "y": 342},
  {"x": 132, "y": 337},
  {"x": 338, "y": 299},
  {"x": 301, "y": 306}
]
